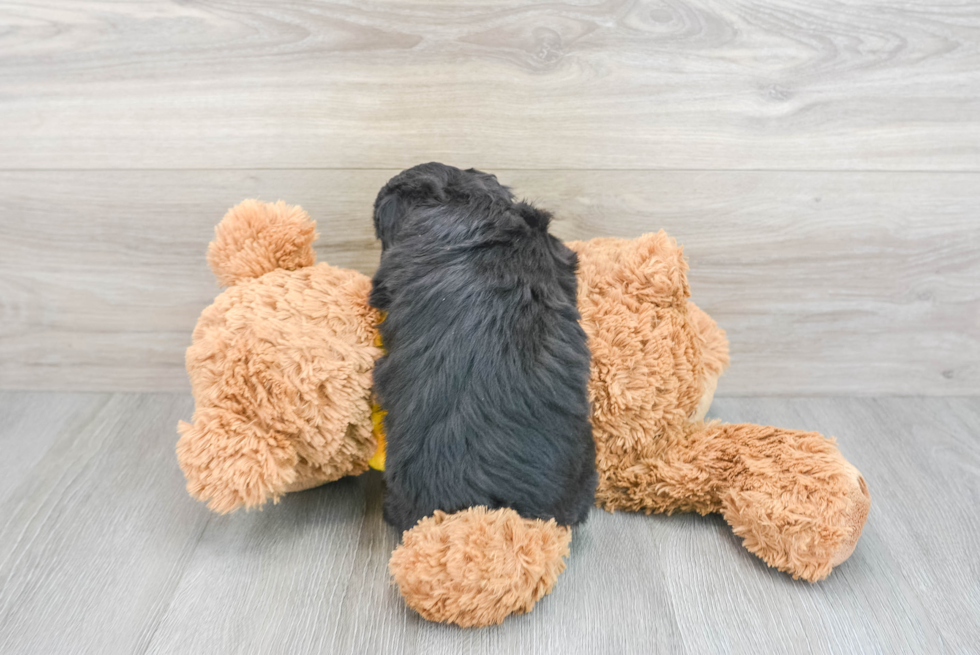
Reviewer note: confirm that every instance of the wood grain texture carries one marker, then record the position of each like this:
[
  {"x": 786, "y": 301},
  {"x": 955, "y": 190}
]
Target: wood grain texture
[
  {"x": 31, "y": 423},
  {"x": 827, "y": 283},
  {"x": 96, "y": 532},
  {"x": 608, "y": 84},
  {"x": 105, "y": 553},
  {"x": 920, "y": 459}
]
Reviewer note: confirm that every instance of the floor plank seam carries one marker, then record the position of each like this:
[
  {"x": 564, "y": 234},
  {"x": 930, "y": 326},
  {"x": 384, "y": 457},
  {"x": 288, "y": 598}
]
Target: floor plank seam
[
  {"x": 165, "y": 608},
  {"x": 83, "y": 425}
]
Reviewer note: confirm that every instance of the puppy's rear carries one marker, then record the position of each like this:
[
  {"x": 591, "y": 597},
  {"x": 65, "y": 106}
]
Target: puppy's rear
[{"x": 484, "y": 381}]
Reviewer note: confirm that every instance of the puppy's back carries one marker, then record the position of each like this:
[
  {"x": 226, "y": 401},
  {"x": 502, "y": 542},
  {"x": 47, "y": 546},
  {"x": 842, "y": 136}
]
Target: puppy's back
[{"x": 486, "y": 372}]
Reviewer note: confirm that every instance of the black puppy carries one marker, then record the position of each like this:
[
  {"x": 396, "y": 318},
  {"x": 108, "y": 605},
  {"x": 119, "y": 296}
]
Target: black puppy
[{"x": 485, "y": 375}]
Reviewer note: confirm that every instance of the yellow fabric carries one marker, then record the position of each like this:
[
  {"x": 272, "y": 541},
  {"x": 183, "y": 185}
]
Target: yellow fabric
[{"x": 377, "y": 461}]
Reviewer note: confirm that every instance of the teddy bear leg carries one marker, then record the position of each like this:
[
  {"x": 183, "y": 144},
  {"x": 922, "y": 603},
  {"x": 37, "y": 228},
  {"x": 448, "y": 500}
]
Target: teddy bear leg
[
  {"x": 790, "y": 495},
  {"x": 478, "y": 566}
]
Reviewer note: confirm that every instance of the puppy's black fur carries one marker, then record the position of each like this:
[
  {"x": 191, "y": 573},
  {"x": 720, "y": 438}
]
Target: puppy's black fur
[{"x": 486, "y": 372}]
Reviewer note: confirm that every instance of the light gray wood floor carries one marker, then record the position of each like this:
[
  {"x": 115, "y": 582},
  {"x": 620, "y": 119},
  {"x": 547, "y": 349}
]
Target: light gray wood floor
[{"x": 102, "y": 551}]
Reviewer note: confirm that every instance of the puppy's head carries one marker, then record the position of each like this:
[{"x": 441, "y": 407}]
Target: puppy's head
[{"x": 428, "y": 186}]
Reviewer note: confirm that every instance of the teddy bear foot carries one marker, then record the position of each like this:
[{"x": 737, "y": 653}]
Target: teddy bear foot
[
  {"x": 794, "y": 499},
  {"x": 855, "y": 518},
  {"x": 478, "y": 566}
]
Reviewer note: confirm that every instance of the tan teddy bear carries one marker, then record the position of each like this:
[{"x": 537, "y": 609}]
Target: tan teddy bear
[{"x": 280, "y": 369}]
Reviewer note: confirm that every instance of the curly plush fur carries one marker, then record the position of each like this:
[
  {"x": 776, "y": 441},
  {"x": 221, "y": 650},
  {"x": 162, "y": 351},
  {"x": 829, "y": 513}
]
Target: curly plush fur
[
  {"x": 484, "y": 380},
  {"x": 281, "y": 372},
  {"x": 476, "y": 567},
  {"x": 795, "y": 501},
  {"x": 280, "y": 365}
]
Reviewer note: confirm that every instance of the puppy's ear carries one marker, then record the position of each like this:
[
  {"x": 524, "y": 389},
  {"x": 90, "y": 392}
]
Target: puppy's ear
[
  {"x": 537, "y": 219},
  {"x": 387, "y": 211},
  {"x": 380, "y": 297},
  {"x": 381, "y": 284}
]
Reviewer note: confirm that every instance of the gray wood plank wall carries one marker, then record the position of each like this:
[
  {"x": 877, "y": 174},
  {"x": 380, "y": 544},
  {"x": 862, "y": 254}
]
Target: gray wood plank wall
[{"x": 820, "y": 161}]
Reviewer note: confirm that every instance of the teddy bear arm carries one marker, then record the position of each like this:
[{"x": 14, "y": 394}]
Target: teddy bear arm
[
  {"x": 714, "y": 348},
  {"x": 714, "y": 356},
  {"x": 232, "y": 462}
]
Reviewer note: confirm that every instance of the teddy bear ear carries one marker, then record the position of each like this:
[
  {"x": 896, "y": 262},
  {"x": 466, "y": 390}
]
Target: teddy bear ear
[{"x": 256, "y": 237}]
